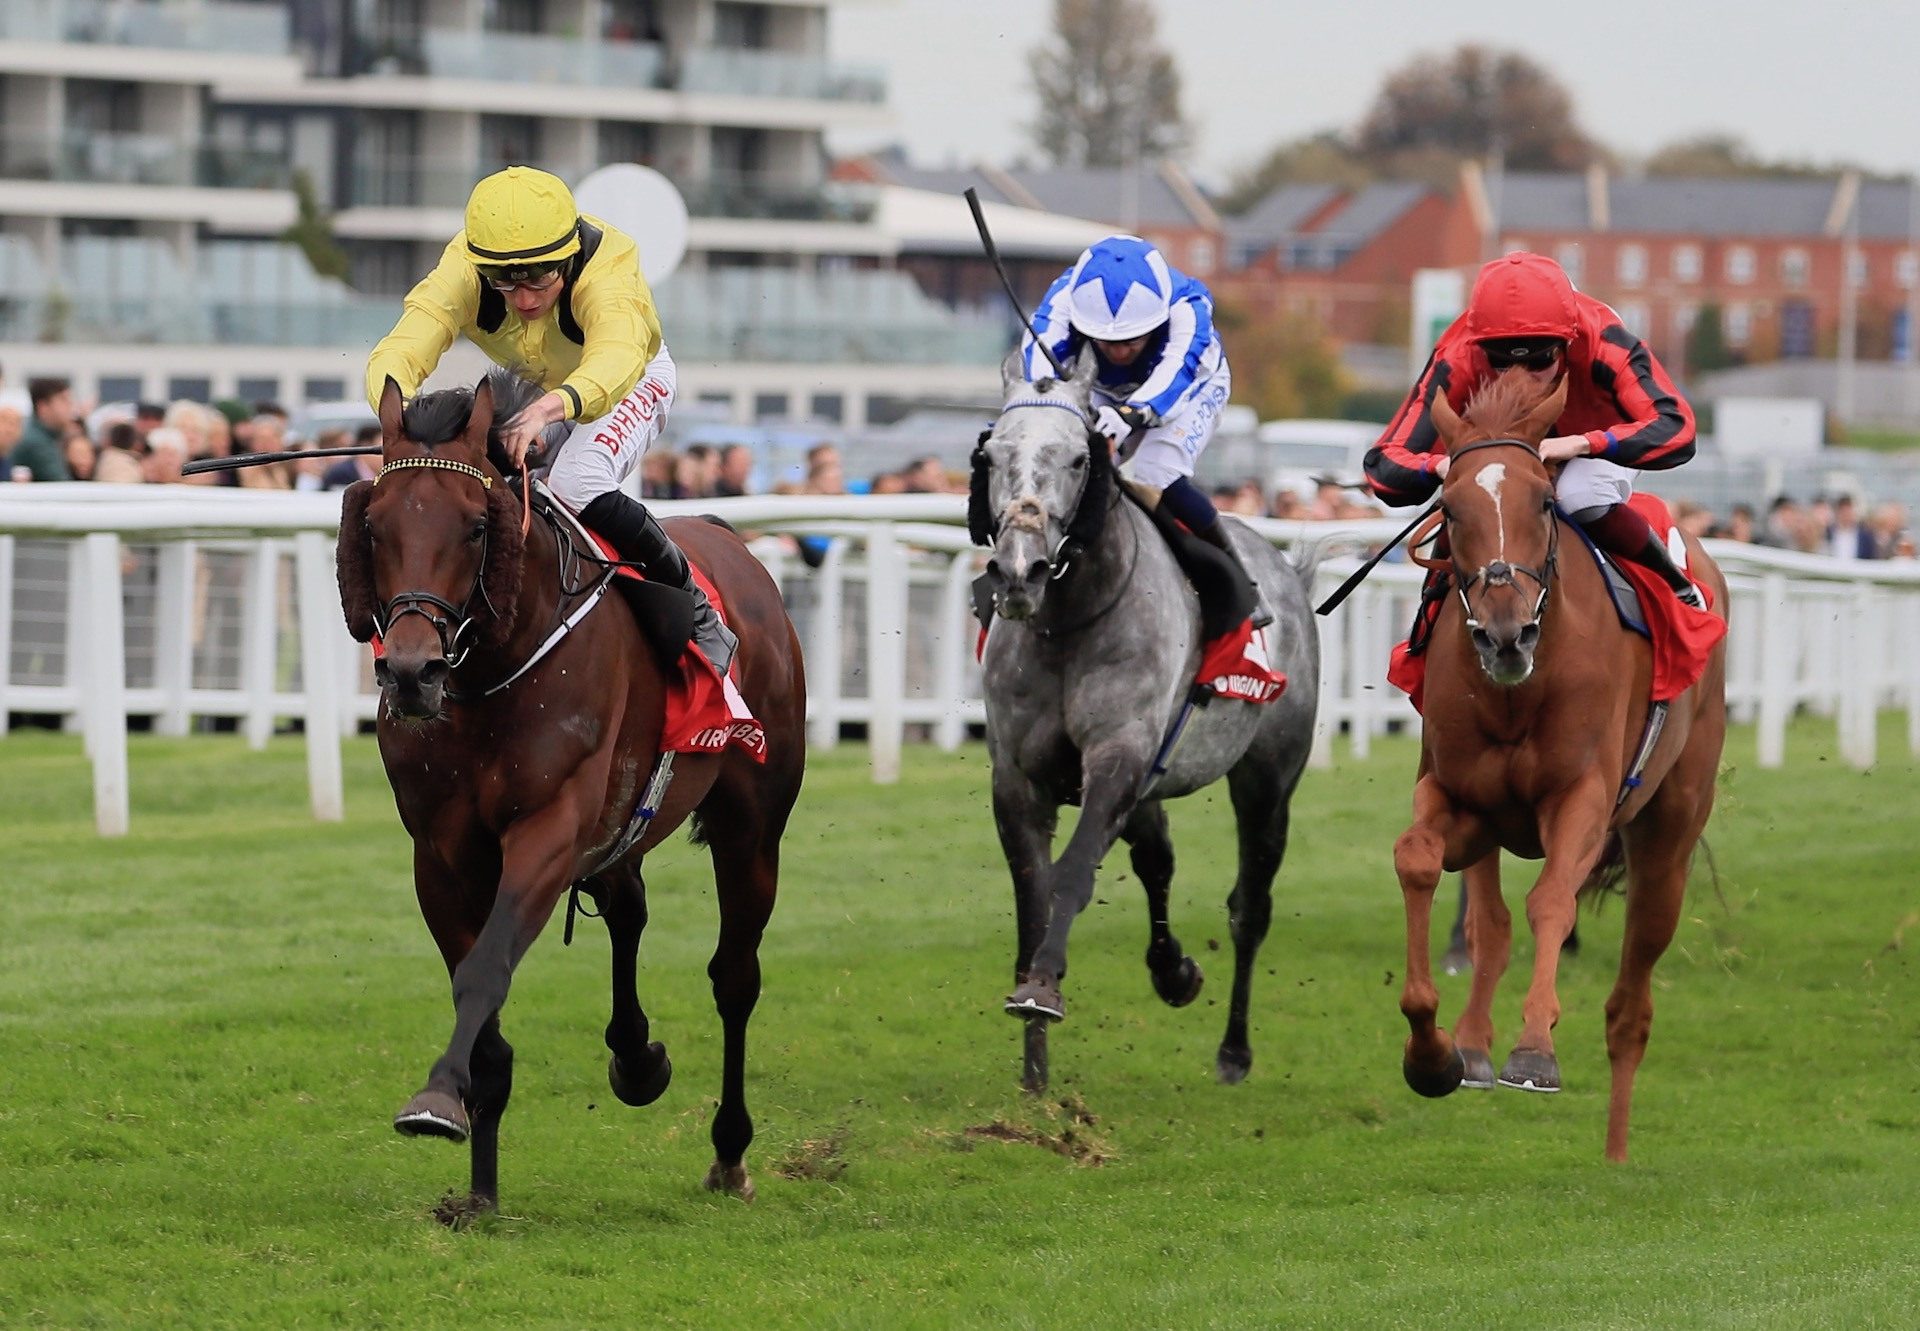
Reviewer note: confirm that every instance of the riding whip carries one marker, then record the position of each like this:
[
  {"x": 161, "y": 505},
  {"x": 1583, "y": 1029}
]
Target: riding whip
[
  {"x": 1354, "y": 580},
  {"x": 993, "y": 256},
  {"x": 194, "y": 468}
]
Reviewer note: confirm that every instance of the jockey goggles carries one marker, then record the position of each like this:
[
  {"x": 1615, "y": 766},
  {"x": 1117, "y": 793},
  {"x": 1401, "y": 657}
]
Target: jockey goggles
[
  {"x": 1535, "y": 353},
  {"x": 530, "y": 277}
]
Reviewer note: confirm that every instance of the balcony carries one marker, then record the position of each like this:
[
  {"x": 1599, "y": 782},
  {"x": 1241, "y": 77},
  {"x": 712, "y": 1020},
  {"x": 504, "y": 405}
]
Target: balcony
[
  {"x": 756, "y": 73},
  {"x": 78, "y": 157},
  {"x": 781, "y": 315},
  {"x": 756, "y": 195},
  {"x": 180, "y": 25},
  {"x": 513, "y": 57}
]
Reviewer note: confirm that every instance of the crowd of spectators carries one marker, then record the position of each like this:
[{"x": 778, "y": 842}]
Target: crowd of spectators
[{"x": 47, "y": 434}]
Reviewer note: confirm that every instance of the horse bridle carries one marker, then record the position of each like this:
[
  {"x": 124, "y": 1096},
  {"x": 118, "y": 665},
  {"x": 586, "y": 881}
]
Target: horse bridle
[
  {"x": 417, "y": 603},
  {"x": 1500, "y": 572},
  {"x": 1071, "y": 543}
]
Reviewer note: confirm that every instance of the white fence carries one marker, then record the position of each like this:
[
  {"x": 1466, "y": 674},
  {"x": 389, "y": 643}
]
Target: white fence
[{"x": 181, "y": 603}]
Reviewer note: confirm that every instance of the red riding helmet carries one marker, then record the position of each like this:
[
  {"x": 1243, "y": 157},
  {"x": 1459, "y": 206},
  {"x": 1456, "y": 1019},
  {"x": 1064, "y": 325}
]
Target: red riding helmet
[{"x": 1522, "y": 295}]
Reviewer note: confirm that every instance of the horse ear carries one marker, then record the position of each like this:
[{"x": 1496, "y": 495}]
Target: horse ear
[
  {"x": 1539, "y": 421},
  {"x": 479, "y": 419},
  {"x": 391, "y": 404},
  {"x": 1013, "y": 370},
  {"x": 1445, "y": 419},
  {"x": 1085, "y": 366}
]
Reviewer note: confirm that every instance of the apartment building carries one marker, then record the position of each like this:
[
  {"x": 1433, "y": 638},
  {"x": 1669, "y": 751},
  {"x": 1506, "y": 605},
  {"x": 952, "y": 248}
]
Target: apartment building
[{"x": 155, "y": 151}]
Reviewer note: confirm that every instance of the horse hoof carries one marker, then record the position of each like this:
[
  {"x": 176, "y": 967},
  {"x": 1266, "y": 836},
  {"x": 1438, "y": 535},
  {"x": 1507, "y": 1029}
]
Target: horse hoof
[
  {"x": 1479, "y": 1070},
  {"x": 1456, "y": 962},
  {"x": 1037, "y": 998},
  {"x": 457, "y": 1212},
  {"x": 433, "y": 1114},
  {"x": 1233, "y": 1064},
  {"x": 1179, "y": 985},
  {"x": 730, "y": 1179},
  {"x": 1431, "y": 1084},
  {"x": 1531, "y": 1070},
  {"x": 642, "y": 1090}
]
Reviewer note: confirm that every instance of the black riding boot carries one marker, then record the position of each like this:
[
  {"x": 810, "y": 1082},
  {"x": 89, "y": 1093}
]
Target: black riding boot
[
  {"x": 640, "y": 539},
  {"x": 1216, "y": 536}
]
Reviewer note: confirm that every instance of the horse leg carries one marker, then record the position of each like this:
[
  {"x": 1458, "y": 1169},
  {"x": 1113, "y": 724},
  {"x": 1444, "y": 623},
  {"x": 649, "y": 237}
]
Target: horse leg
[
  {"x": 1659, "y": 845},
  {"x": 1458, "y": 957},
  {"x": 487, "y": 1096},
  {"x": 746, "y": 873},
  {"x": 1430, "y": 1063},
  {"x": 1261, "y": 817},
  {"x": 1573, "y": 831},
  {"x": 638, "y": 1068},
  {"x": 1176, "y": 976},
  {"x": 536, "y": 855},
  {"x": 1025, "y": 819},
  {"x": 1489, "y": 934},
  {"x": 1110, "y": 778}
]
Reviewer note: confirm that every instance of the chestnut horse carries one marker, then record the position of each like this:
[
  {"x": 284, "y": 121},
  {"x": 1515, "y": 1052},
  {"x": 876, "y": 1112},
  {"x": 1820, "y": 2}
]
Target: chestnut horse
[
  {"x": 513, "y": 794},
  {"x": 1536, "y": 699}
]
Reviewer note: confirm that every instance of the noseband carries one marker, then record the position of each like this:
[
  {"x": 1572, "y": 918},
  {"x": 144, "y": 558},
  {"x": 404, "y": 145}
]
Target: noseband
[
  {"x": 1081, "y": 526},
  {"x": 436, "y": 610},
  {"x": 1500, "y": 572}
]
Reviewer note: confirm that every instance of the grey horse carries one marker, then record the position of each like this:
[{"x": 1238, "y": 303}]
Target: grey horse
[{"x": 1090, "y": 656}]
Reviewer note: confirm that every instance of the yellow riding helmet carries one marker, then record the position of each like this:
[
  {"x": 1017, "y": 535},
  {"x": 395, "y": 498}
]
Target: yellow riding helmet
[{"x": 519, "y": 217}]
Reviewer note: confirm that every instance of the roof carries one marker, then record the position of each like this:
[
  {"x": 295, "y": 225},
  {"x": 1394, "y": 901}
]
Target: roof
[
  {"x": 1280, "y": 214},
  {"x": 1138, "y": 196},
  {"x": 929, "y": 221},
  {"x": 1318, "y": 226},
  {"x": 1701, "y": 205},
  {"x": 1532, "y": 200}
]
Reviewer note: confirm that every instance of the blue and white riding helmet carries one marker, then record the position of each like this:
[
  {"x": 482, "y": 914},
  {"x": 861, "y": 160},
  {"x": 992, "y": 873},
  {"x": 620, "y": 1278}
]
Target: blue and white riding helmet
[{"x": 1120, "y": 289}]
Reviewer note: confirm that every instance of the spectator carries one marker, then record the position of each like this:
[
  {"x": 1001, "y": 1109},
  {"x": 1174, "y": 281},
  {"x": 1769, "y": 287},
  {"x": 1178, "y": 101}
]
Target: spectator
[
  {"x": 1286, "y": 504},
  {"x": 656, "y": 474},
  {"x": 735, "y": 471},
  {"x": 41, "y": 449},
  {"x": 1327, "y": 497},
  {"x": 700, "y": 468},
  {"x": 1740, "y": 524},
  {"x": 146, "y": 416},
  {"x": 77, "y": 449},
  {"x": 1888, "y": 525},
  {"x": 1847, "y": 538},
  {"x": 825, "y": 476},
  {"x": 1693, "y": 519},
  {"x": 887, "y": 483},
  {"x": 12, "y": 419},
  {"x": 1819, "y": 523},
  {"x": 925, "y": 476},
  {"x": 1786, "y": 524},
  {"x": 119, "y": 460},
  {"x": 267, "y": 433},
  {"x": 345, "y": 471},
  {"x": 166, "y": 454}
]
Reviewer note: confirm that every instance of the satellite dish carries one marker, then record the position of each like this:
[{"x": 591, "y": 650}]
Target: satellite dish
[{"x": 643, "y": 203}]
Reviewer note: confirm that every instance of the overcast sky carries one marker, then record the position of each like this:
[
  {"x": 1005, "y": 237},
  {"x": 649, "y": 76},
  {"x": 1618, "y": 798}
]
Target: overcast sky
[{"x": 1821, "y": 81}]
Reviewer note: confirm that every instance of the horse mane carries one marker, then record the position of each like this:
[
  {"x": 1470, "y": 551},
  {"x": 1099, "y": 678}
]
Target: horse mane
[
  {"x": 1500, "y": 404},
  {"x": 441, "y": 417}
]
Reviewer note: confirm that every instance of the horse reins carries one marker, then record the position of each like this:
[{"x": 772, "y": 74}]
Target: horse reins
[{"x": 414, "y": 603}]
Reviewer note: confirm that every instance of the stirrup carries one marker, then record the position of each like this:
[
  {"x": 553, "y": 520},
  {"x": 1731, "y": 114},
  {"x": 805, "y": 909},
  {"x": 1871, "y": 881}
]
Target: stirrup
[
  {"x": 1692, "y": 596},
  {"x": 716, "y": 641}
]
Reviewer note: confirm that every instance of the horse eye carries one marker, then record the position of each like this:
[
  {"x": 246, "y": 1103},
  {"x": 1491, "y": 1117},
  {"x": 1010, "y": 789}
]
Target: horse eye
[
  {"x": 1079, "y": 462},
  {"x": 479, "y": 532}
]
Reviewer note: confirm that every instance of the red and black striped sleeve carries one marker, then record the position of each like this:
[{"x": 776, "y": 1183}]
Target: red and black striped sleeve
[
  {"x": 1657, "y": 430},
  {"x": 1399, "y": 466}
]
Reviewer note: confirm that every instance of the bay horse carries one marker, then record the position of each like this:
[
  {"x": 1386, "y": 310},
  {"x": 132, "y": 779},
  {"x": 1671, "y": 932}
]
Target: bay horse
[
  {"x": 1094, "y": 647},
  {"x": 515, "y": 768},
  {"x": 1536, "y": 703}
]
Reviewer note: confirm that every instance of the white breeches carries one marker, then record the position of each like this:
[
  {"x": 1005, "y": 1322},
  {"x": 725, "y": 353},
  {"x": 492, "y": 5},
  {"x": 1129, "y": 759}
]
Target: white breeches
[
  {"x": 600, "y": 454},
  {"x": 1592, "y": 483},
  {"x": 1170, "y": 449}
]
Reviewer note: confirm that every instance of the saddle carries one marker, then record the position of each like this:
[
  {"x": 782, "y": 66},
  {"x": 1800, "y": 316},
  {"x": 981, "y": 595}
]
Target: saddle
[{"x": 664, "y": 614}]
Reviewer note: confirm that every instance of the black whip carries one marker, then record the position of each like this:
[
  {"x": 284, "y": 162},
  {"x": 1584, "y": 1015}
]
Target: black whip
[
  {"x": 993, "y": 255},
  {"x": 1354, "y": 580},
  {"x": 262, "y": 459}
]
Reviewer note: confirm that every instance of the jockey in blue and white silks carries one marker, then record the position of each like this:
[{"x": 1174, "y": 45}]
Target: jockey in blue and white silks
[{"x": 1162, "y": 375}]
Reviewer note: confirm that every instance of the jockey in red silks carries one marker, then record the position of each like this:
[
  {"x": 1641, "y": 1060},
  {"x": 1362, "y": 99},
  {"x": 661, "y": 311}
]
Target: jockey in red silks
[{"x": 1623, "y": 413}]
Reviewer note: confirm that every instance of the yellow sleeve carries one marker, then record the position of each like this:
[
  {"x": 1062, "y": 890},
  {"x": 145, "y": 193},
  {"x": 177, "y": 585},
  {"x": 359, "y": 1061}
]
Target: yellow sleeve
[
  {"x": 619, "y": 328},
  {"x": 445, "y": 301}
]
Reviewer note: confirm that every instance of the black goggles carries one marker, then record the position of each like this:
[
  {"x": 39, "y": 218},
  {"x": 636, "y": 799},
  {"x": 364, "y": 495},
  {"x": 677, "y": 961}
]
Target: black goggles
[
  {"x": 513, "y": 275},
  {"x": 1535, "y": 353}
]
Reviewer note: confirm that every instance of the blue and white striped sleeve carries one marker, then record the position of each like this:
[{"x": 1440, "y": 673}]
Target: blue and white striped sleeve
[
  {"x": 1189, "y": 334},
  {"x": 1050, "y": 322}
]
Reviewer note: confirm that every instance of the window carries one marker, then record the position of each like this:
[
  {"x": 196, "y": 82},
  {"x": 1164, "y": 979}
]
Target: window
[
  {"x": 627, "y": 141},
  {"x": 1740, "y": 264},
  {"x": 191, "y": 388},
  {"x": 1570, "y": 256},
  {"x": 256, "y": 389},
  {"x": 740, "y": 26},
  {"x": 1685, "y": 315},
  {"x": 1630, "y": 265},
  {"x": 1686, "y": 263},
  {"x": 1906, "y": 268},
  {"x": 769, "y": 406},
  {"x": 1738, "y": 323},
  {"x": 508, "y": 141},
  {"x": 1635, "y": 317},
  {"x": 1793, "y": 267},
  {"x": 324, "y": 390},
  {"x": 827, "y": 406},
  {"x": 120, "y": 388},
  {"x": 1200, "y": 257}
]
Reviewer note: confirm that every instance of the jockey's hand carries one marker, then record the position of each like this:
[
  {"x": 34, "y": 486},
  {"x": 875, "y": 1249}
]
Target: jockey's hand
[
  {"x": 1137, "y": 417},
  {"x": 1565, "y": 448},
  {"x": 518, "y": 435},
  {"x": 1440, "y": 467},
  {"x": 1109, "y": 422}
]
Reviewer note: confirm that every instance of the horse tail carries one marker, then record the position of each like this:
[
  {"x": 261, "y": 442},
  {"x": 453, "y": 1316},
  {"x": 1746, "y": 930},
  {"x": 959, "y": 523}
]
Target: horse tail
[
  {"x": 1305, "y": 557},
  {"x": 1608, "y": 876}
]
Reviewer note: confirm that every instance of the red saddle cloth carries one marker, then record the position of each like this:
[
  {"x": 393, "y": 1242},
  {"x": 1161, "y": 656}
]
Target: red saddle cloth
[
  {"x": 1682, "y": 638},
  {"x": 1234, "y": 665},
  {"x": 705, "y": 712}
]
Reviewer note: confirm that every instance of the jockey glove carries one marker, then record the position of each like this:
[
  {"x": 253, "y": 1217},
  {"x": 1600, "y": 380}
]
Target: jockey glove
[
  {"x": 1110, "y": 423},
  {"x": 1137, "y": 417}
]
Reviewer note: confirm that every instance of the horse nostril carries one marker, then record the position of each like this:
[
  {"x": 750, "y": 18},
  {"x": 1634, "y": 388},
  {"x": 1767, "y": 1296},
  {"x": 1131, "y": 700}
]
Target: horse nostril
[
  {"x": 433, "y": 673},
  {"x": 1482, "y": 640},
  {"x": 1037, "y": 571},
  {"x": 1529, "y": 635},
  {"x": 382, "y": 673}
]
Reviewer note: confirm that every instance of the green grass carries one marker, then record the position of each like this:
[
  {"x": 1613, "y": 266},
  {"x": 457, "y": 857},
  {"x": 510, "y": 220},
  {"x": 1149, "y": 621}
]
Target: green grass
[{"x": 205, "y": 1028}]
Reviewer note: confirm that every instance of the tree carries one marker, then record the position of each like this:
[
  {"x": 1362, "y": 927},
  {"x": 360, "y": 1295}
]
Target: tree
[
  {"x": 1469, "y": 103},
  {"x": 1108, "y": 92},
  {"x": 1326, "y": 158},
  {"x": 312, "y": 231},
  {"x": 1707, "y": 348},
  {"x": 1284, "y": 365},
  {"x": 1728, "y": 155}
]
